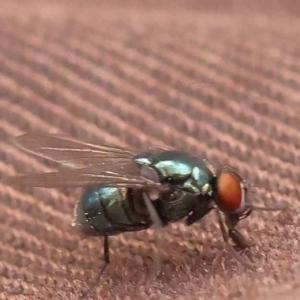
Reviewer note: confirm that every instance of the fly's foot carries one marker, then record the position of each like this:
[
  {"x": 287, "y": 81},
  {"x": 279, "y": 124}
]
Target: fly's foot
[{"x": 219, "y": 262}]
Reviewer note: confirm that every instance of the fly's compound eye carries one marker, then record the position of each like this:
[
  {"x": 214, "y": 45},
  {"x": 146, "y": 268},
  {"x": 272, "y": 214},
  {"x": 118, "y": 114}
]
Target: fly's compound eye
[{"x": 231, "y": 190}]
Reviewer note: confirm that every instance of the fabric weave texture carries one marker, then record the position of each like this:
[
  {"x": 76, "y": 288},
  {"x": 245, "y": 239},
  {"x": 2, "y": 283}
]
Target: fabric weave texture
[{"x": 220, "y": 79}]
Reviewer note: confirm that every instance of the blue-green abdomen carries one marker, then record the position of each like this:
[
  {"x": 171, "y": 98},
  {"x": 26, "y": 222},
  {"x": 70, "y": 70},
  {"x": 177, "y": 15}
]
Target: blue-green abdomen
[{"x": 109, "y": 210}]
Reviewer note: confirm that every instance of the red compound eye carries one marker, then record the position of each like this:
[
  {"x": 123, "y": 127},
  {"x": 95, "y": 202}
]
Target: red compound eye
[{"x": 230, "y": 192}]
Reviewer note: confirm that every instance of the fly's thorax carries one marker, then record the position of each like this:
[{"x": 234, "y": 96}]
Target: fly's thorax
[
  {"x": 153, "y": 193},
  {"x": 200, "y": 181},
  {"x": 177, "y": 168},
  {"x": 178, "y": 205},
  {"x": 167, "y": 166},
  {"x": 186, "y": 183}
]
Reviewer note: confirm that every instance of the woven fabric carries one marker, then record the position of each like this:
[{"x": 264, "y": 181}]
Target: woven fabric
[{"x": 220, "y": 80}]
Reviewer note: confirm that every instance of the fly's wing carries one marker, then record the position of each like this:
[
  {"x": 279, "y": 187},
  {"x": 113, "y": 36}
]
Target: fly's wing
[
  {"x": 82, "y": 177},
  {"x": 86, "y": 164},
  {"x": 70, "y": 152}
]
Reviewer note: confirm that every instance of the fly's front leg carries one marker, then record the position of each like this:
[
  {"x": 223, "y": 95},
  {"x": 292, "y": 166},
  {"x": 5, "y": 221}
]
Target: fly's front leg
[{"x": 237, "y": 237}]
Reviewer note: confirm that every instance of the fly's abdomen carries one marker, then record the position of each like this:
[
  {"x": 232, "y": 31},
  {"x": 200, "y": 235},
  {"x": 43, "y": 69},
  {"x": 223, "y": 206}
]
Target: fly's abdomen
[{"x": 109, "y": 210}]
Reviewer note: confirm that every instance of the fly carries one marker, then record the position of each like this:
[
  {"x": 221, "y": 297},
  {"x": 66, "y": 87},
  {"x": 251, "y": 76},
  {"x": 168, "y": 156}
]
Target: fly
[{"x": 126, "y": 190}]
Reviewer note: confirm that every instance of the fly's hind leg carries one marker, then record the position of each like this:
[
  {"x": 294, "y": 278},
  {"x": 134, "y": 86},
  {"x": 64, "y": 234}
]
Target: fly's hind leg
[{"x": 106, "y": 263}]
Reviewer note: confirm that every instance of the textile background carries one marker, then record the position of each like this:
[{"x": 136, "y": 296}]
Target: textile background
[{"x": 218, "y": 78}]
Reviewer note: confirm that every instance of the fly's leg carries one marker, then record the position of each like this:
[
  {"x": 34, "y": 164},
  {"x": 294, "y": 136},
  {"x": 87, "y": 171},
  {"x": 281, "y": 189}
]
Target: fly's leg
[
  {"x": 121, "y": 227},
  {"x": 106, "y": 263},
  {"x": 234, "y": 234},
  {"x": 158, "y": 224},
  {"x": 236, "y": 237}
]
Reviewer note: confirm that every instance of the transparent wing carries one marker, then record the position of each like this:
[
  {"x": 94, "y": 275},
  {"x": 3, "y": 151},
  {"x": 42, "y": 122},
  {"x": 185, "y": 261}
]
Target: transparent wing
[
  {"x": 87, "y": 164},
  {"x": 72, "y": 153},
  {"x": 81, "y": 177}
]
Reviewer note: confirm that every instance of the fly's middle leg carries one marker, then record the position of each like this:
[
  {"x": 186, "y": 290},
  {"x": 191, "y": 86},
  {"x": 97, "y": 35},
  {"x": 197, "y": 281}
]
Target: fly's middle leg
[{"x": 158, "y": 225}]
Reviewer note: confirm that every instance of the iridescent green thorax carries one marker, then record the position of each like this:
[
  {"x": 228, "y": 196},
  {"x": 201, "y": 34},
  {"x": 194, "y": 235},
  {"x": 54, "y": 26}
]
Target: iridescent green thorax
[{"x": 179, "y": 168}]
